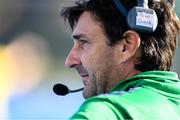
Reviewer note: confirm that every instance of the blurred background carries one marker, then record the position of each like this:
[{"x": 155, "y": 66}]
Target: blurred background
[{"x": 34, "y": 43}]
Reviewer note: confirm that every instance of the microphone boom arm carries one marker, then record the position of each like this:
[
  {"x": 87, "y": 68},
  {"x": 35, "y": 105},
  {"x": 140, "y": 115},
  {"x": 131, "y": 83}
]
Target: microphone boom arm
[{"x": 72, "y": 91}]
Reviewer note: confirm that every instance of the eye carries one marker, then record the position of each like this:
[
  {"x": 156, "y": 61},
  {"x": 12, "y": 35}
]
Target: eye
[{"x": 82, "y": 42}]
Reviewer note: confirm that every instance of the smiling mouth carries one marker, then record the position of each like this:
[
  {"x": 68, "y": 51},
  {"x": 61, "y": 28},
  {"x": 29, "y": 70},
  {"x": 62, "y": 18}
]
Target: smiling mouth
[
  {"x": 85, "y": 78},
  {"x": 82, "y": 71},
  {"x": 83, "y": 75}
]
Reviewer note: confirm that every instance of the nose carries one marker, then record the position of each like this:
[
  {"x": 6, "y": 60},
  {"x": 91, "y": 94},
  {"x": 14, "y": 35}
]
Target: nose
[{"x": 73, "y": 59}]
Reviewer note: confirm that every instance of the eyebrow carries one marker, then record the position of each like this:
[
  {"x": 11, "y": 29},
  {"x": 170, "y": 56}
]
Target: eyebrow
[{"x": 79, "y": 36}]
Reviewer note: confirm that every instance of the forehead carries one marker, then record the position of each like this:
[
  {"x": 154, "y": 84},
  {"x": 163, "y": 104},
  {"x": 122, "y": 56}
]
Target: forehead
[{"x": 87, "y": 25}]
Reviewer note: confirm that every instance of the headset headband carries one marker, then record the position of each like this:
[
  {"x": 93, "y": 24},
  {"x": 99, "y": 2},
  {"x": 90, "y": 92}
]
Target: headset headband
[{"x": 121, "y": 8}]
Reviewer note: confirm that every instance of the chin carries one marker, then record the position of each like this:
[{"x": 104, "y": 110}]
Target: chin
[{"x": 87, "y": 95}]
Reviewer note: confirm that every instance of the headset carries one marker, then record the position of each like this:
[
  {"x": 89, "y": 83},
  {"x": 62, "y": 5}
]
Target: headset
[{"x": 139, "y": 18}]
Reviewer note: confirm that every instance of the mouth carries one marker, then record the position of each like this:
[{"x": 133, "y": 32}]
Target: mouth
[
  {"x": 85, "y": 78},
  {"x": 84, "y": 74}
]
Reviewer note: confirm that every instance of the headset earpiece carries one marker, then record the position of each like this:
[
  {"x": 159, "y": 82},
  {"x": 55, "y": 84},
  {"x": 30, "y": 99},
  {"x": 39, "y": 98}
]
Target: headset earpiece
[{"x": 140, "y": 17}]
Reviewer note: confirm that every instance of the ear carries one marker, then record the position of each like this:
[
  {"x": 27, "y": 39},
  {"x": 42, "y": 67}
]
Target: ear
[{"x": 130, "y": 45}]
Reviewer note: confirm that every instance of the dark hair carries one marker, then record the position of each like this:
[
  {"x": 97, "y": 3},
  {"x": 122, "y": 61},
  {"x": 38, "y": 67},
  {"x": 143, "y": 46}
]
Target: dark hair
[{"x": 158, "y": 48}]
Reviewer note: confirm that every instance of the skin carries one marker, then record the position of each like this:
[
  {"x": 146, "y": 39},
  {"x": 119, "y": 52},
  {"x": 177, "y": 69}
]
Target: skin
[{"x": 101, "y": 66}]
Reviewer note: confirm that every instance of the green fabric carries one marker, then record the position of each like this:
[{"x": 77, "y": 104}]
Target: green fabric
[{"x": 153, "y": 95}]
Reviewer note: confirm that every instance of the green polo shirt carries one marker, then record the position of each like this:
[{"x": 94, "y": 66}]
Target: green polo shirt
[{"x": 153, "y": 95}]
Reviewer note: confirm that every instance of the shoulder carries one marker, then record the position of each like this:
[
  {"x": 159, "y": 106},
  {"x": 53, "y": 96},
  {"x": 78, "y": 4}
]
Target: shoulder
[
  {"x": 137, "y": 103},
  {"x": 97, "y": 108},
  {"x": 109, "y": 106}
]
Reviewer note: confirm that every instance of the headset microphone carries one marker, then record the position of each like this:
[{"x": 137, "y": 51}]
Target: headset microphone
[{"x": 60, "y": 89}]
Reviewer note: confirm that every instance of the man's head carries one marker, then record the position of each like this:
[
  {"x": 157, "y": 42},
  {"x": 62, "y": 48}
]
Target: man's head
[{"x": 106, "y": 50}]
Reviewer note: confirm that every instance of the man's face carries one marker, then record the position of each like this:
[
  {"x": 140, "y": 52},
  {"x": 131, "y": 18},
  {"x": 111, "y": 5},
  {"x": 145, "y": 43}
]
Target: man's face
[{"x": 92, "y": 57}]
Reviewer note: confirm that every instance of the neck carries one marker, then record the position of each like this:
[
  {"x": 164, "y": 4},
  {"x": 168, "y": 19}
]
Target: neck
[{"x": 121, "y": 73}]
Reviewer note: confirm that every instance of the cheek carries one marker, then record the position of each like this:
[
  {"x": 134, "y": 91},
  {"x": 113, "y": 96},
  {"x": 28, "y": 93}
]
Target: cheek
[
  {"x": 96, "y": 60},
  {"x": 91, "y": 57},
  {"x": 88, "y": 60}
]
